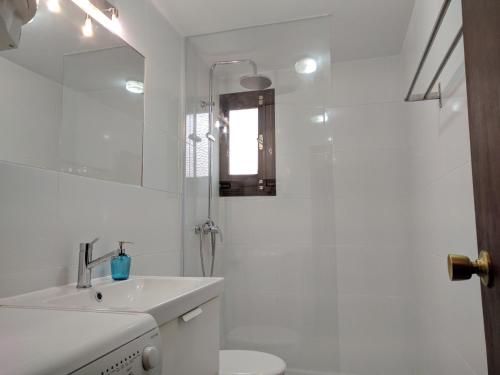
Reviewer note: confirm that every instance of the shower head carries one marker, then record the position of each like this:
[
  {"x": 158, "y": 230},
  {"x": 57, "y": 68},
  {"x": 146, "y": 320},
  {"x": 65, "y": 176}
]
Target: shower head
[
  {"x": 255, "y": 82},
  {"x": 252, "y": 81}
]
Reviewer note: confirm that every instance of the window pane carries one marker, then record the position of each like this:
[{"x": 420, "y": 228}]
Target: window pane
[{"x": 243, "y": 144}]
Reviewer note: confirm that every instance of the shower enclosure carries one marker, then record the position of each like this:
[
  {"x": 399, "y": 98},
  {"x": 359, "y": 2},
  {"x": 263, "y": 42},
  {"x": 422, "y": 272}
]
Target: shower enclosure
[
  {"x": 327, "y": 274},
  {"x": 278, "y": 255}
]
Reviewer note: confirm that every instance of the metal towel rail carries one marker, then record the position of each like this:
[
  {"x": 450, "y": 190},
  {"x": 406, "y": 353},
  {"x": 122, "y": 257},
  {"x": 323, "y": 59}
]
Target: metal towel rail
[{"x": 429, "y": 94}]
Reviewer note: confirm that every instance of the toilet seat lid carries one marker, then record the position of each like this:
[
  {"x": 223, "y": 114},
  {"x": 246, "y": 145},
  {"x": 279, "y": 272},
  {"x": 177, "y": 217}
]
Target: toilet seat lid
[{"x": 245, "y": 362}]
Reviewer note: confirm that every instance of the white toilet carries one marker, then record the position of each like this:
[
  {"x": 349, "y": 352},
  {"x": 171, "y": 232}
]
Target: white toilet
[{"x": 245, "y": 362}]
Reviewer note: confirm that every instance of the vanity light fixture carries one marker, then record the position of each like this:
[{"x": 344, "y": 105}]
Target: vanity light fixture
[
  {"x": 306, "y": 65},
  {"x": 135, "y": 87},
  {"x": 102, "y": 12},
  {"x": 54, "y": 6},
  {"x": 88, "y": 28}
]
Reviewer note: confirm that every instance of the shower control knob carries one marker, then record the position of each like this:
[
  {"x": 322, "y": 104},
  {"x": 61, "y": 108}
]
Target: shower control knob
[{"x": 150, "y": 358}]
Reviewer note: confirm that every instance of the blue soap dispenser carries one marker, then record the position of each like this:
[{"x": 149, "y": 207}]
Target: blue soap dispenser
[{"x": 120, "y": 264}]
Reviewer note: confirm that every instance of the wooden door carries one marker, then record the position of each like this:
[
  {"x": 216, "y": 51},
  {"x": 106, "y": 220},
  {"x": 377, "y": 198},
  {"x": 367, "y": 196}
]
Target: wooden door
[{"x": 481, "y": 20}]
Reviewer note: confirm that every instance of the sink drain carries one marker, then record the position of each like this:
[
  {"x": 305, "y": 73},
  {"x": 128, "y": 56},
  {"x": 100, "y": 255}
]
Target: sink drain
[{"x": 98, "y": 296}]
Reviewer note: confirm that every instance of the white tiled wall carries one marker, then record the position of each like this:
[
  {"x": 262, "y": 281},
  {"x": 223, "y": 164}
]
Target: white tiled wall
[
  {"x": 449, "y": 329},
  {"x": 44, "y": 214},
  {"x": 371, "y": 218}
]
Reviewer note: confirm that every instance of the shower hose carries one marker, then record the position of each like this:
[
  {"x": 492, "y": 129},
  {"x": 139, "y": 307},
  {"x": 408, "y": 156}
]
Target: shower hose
[{"x": 213, "y": 242}]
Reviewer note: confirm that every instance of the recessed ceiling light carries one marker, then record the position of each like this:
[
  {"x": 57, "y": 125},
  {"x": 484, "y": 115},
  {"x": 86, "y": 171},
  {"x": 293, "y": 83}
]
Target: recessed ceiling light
[
  {"x": 135, "y": 87},
  {"x": 306, "y": 66}
]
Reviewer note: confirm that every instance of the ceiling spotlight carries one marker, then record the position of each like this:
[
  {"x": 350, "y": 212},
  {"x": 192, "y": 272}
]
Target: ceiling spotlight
[
  {"x": 135, "y": 87},
  {"x": 88, "y": 28},
  {"x": 54, "y": 6},
  {"x": 115, "y": 22},
  {"x": 306, "y": 66}
]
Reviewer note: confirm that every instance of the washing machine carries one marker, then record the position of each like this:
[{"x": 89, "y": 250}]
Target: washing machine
[{"x": 54, "y": 342}]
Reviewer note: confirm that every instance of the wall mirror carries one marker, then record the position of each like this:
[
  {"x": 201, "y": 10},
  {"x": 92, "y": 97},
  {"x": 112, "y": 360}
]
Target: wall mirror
[{"x": 72, "y": 97}]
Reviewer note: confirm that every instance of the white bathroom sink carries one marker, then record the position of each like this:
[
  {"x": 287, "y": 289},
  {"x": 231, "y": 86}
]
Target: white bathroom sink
[{"x": 163, "y": 297}]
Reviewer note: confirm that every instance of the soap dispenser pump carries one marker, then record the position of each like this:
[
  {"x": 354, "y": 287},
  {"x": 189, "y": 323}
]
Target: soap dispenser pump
[{"x": 120, "y": 265}]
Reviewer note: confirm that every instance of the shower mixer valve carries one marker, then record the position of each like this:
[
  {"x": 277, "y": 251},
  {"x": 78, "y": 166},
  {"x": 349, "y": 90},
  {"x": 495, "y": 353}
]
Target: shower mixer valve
[{"x": 209, "y": 227}]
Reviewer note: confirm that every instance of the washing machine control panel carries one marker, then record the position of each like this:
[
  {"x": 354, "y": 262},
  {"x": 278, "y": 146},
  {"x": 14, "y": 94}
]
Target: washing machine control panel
[{"x": 139, "y": 357}]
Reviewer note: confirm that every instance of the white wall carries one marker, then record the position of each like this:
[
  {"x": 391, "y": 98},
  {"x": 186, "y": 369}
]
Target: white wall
[
  {"x": 371, "y": 218},
  {"x": 449, "y": 329},
  {"x": 46, "y": 214}
]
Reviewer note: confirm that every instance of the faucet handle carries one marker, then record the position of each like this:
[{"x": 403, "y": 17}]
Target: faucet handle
[
  {"x": 92, "y": 243},
  {"x": 217, "y": 231}
]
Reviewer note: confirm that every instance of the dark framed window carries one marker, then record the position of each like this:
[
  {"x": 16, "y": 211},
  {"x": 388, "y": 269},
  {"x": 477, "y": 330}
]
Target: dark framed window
[{"x": 247, "y": 163}]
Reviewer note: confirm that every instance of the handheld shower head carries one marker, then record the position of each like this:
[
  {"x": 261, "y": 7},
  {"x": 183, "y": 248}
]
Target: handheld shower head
[{"x": 255, "y": 82}]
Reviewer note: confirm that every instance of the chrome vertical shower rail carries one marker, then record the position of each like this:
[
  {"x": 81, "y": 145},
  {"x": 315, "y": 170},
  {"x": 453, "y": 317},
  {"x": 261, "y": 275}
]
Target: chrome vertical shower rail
[
  {"x": 209, "y": 227},
  {"x": 211, "y": 106}
]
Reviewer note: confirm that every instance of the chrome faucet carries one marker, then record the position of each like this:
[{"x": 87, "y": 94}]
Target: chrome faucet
[{"x": 85, "y": 263}]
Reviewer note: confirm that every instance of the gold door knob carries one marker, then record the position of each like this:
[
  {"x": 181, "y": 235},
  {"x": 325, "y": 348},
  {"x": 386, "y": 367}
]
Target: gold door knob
[{"x": 462, "y": 268}]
